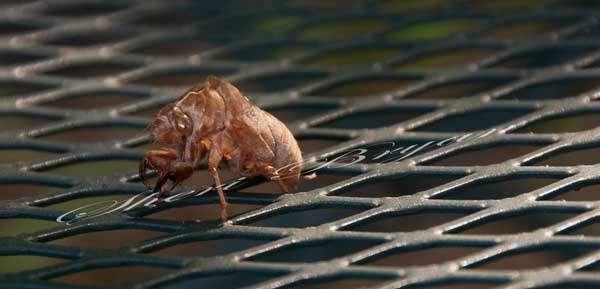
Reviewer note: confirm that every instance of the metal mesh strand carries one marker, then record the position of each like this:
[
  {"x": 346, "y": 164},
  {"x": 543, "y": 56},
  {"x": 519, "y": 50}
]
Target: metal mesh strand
[{"x": 347, "y": 74}]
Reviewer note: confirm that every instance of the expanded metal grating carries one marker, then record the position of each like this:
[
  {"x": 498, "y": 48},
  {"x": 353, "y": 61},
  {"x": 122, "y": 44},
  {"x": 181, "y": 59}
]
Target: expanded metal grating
[{"x": 464, "y": 134}]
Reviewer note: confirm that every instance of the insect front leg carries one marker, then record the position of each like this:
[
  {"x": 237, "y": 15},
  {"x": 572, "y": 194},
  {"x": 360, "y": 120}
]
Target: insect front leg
[
  {"x": 168, "y": 166},
  {"x": 159, "y": 160}
]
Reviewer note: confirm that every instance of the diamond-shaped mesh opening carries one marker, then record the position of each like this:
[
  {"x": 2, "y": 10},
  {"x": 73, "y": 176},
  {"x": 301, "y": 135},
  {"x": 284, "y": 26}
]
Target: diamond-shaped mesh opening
[
  {"x": 571, "y": 157},
  {"x": 533, "y": 258},
  {"x": 556, "y": 89},
  {"x": 14, "y": 57},
  {"x": 544, "y": 57},
  {"x": 499, "y": 189},
  {"x": 591, "y": 229},
  {"x": 422, "y": 256},
  {"x": 93, "y": 69},
  {"x": 457, "y": 284},
  {"x": 95, "y": 168},
  {"x": 314, "y": 252},
  {"x": 485, "y": 156},
  {"x": 268, "y": 52},
  {"x": 88, "y": 38},
  {"x": 12, "y": 88},
  {"x": 341, "y": 29},
  {"x": 355, "y": 56},
  {"x": 256, "y": 25},
  {"x": 178, "y": 15},
  {"x": 432, "y": 30},
  {"x": 108, "y": 276},
  {"x": 205, "y": 214},
  {"x": 472, "y": 121},
  {"x": 90, "y": 134},
  {"x": 453, "y": 58},
  {"x": 148, "y": 110},
  {"x": 187, "y": 77},
  {"x": 576, "y": 4},
  {"x": 16, "y": 154},
  {"x": 209, "y": 248},
  {"x": 311, "y": 145},
  {"x": 526, "y": 222},
  {"x": 405, "y": 185},
  {"x": 524, "y": 29},
  {"x": 307, "y": 218},
  {"x": 12, "y": 2},
  {"x": 17, "y": 27},
  {"x": 225, "y": 280},
  {"x": 15, "y": 121},
  {"x": 111, "y": 239},
  {"x": 176, "y": 46},
  {"x": 455, "y": 143},
  {"x": 458, "y": 89},
  {"x": 509, "y": 5},
  {"x": 339, "y": 283},
  {"x": 17, "y": 226},
  {"x": 276, "y": 82},
  {"x": 19, "y": 189},
  {"x": 314, "y": 4},
  {"x": 83, "y": 9},
  {"x": 365, "y": 86},
  {"x": 582, "y": 191},
  {"x": 297, "y": 112},
  {"x": 409, "y": 6},
  {"x": 93, "y": 100},
  {"x": 366, "y": 118},
  {"x": 11, "y": 264},
  {"x": 412, "y": 221},
  {"x": 563, "y": 124}
]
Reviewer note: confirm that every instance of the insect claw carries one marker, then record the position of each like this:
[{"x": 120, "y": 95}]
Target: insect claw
[
  {"x": 283, "y": 187},
  {"x": 159, "y": 185},
  {"x": 310, "y": 176},
  {"x": 223, "y": 216},
  {"x": 142, "y": 172}
]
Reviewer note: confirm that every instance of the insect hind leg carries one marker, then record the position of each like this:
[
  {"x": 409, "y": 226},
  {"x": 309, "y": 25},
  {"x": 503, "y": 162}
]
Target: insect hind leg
[{"x": 214, "y": 158}]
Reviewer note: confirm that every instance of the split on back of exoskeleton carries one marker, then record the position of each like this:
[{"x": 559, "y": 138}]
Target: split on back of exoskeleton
[{"x": 214, "y": 120}]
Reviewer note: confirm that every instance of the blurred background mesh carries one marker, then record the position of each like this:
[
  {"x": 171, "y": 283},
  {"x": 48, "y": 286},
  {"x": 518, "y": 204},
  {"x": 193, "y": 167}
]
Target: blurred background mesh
[{"x": 480, "y": 119}]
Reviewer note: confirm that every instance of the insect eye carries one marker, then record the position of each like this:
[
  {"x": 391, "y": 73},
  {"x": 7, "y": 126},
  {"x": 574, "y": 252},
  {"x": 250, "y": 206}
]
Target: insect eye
[{"x": 182, "y": 122}]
